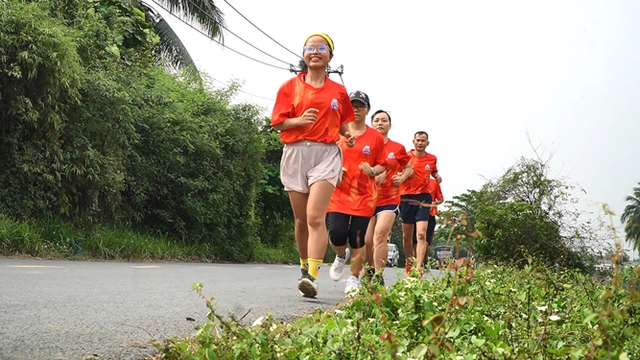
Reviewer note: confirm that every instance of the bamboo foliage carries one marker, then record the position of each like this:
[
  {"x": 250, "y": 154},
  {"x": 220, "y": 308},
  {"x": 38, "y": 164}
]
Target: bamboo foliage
[{"x": 94, "y": 131}]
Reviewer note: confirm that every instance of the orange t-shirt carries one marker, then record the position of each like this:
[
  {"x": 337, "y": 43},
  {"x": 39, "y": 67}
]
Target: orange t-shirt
[
  {"x": 296, "y": 96},
  {"x": 397, "y": 158},
  {"x": 436, "y": 194},
  {"x": 357, "y": 193},
  {"x": 423, "y": 166}
]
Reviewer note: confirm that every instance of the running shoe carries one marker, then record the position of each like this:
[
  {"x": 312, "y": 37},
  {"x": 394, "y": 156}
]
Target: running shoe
[
  {"x": 336, "y": 272},
  {"x": 353, "y": 284},
  {"x": 308, "y": 286}
]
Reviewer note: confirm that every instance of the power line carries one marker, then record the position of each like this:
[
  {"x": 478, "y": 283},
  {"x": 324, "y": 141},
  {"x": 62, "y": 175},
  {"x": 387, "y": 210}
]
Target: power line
[
  {"x": 292, "y": 68},
  {"x": 255, "y": 26},
  {"x": 232, "y": 33},
  {"x": 216, "y": 41}
]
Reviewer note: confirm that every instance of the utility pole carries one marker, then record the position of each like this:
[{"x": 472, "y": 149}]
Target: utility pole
[{"x": 303, "y": 67}]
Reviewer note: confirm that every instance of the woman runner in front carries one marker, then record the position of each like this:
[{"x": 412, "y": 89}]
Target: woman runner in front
[{"x": 311, "y": 112}]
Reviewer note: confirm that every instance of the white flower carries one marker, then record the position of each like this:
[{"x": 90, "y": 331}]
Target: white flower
[
  {"x": 554, "y": 317},
  {"x": 258, "y": 321},
  {"x": 542, "y": 308}
]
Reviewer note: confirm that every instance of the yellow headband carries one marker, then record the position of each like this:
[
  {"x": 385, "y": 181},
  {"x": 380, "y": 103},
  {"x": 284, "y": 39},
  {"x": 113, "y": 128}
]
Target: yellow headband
[{"x": 324, "y": 36}]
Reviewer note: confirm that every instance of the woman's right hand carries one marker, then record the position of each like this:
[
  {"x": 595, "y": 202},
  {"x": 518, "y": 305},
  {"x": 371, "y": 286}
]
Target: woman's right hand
[{"x": 308, "y": 117}]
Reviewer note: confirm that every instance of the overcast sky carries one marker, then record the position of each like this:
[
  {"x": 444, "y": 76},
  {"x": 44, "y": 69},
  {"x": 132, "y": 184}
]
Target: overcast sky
[{"x": 480, "y": 77}]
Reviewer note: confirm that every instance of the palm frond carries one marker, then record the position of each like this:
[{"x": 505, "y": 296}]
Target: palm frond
[
  {"x": 201, "y": 13},
  {"x": 632, "y": 210},
  {"x": 170, "y": 50}
]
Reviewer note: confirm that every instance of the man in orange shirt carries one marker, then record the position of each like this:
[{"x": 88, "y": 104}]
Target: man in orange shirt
[
  {"x": 311, "y": 111},
  {"x": 415, "y": 206},
  {"x": 354, "y": 200}
]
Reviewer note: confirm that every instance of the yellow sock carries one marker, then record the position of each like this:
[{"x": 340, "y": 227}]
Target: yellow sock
[
  {"x": 314, "y": 267},
  {"x": 304, "y": 264}
]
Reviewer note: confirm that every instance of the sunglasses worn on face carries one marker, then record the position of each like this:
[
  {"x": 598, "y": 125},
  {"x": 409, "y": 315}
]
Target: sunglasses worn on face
[{"x": 319, "y": 48}]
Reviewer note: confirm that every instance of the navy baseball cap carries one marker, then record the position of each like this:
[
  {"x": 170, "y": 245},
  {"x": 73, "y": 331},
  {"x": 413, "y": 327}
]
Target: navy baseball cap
[{"x": 360, "y": 96}]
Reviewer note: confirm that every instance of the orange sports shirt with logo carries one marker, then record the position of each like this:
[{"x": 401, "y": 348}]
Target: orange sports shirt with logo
[
  {"x": 357, "y": 193},
  {"x": 436, "y": 194},
  {"x": 397, "y": 158},
  {"x": 423, "y": 166},
  {"x": 296, "y": 96}
]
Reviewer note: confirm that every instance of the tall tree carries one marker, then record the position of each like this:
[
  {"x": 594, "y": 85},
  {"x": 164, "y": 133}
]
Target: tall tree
[
  {"x": 526, "y": 213},
  {"x": 631, "y": 218}
]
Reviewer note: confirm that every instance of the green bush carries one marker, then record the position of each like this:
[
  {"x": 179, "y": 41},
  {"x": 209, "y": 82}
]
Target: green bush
[
  {"x": 276, "y": 218},
  {"x": 195, "y": 166},
  {"x": 514, "y": 231}
]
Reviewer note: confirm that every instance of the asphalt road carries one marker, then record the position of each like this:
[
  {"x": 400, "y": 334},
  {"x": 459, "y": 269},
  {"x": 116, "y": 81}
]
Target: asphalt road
[{"x": 113, "y": 310}]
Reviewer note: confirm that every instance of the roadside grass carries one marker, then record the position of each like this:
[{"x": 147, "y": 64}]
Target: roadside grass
[
  {"x": 286, "y": 253},
  {"x": 493, "y": 312},
  {"x": 20, "y": 238},
  {"x": 53, "y": 239}
]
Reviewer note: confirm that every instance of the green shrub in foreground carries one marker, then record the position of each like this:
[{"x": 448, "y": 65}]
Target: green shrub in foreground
[{"x": 495, "y": 313}]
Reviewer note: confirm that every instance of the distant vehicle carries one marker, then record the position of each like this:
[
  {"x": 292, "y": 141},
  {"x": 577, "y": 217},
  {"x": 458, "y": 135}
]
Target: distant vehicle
[
  {"x": 393, "y": 255},
  {"x": 443, "y": 253},
  {"x": 604, "y": 265}
]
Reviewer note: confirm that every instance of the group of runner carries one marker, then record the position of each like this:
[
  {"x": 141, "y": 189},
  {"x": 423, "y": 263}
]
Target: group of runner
[{"x": 337, "y": 168}]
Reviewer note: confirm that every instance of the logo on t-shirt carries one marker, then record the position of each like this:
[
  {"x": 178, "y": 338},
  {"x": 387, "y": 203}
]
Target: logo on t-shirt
[
  {"x": 428, "y": 168},
  {"x": 391, "y": 156},
  {"x": 366, "y": 150},
  {"x": 334, "y": 104}
]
